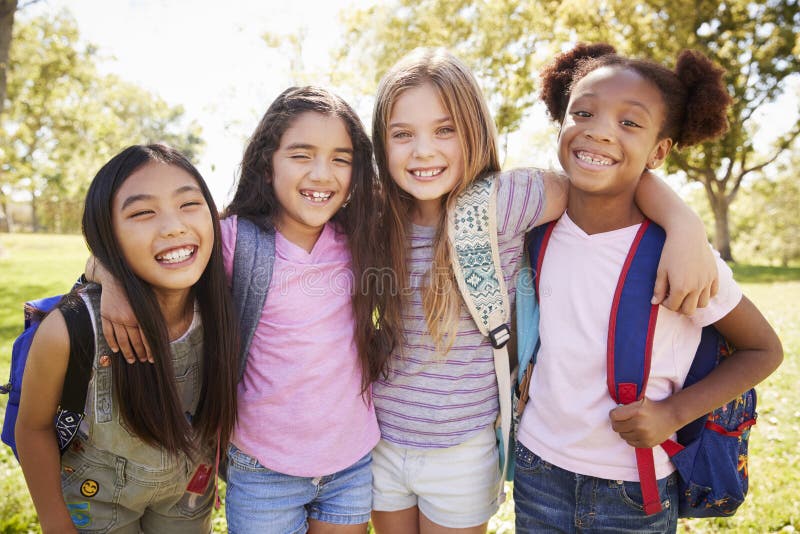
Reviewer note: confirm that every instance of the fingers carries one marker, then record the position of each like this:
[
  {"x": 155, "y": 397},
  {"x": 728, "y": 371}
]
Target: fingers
[
  {"x": 675, "y": 299},
  {"x": 137, "y": 342},
  {"x": 660, "y": 289},
  {"x": 714, "y": 287},
  {"x": 126, "y": 339},
  {"x": 108, "y": 333},
  {"x": 704, "y": 297},
  {"x": 123, "y": 342}
]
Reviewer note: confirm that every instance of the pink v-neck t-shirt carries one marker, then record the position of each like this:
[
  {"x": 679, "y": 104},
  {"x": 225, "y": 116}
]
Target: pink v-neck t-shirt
[{"x": 300, "y": 407}]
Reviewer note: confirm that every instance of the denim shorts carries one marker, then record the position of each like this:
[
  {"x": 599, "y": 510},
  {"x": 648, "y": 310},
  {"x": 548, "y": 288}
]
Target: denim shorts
[
  {"x": 257, "y": 497},
  {"x": 550, "y": 499}
]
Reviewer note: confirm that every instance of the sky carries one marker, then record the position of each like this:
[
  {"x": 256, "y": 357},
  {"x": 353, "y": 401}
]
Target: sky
[{"x": 210, "y": 57}]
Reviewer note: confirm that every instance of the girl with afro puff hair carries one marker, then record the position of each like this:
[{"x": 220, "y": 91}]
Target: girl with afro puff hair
[{"x": 576, "y": 467}]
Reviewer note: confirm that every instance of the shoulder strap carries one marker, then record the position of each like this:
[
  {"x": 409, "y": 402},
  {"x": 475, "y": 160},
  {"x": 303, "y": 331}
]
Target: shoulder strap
[
  {"x": 630, "y": 339},
  {"x": 81, "y": 354},
  {"x": 79, "y": 369},
  {"x": 527, "y": 305},
  {"x": 253, "y": 259},
  {"x": 538, "y": 240},
  {"x": 472, "y": 230},
  {"x": 472, "y": 234}
]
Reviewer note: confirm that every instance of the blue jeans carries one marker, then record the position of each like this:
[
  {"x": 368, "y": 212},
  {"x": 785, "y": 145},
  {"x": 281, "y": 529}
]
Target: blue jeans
[
  {"x": 550, "y": 499},
  {"x": 258, "y": 499}
]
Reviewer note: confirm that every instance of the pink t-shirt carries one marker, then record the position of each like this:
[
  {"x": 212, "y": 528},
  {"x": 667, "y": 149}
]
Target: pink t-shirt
[
  {"x": 300, "y": 408},
  {"x": 566, "y": 421}
]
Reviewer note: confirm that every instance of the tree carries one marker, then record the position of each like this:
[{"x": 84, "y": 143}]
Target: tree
[
  {"x": 766, "y": 222},
  {"x": 502, "y": 41},
  {"x": 7, "y": 10},
  {"x": 506, "y": 41},
  {"x": 756, "y": 43},
  {"x": 65, "y": 120}
]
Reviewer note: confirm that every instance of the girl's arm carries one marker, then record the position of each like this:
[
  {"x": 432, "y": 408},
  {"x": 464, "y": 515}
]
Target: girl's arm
[
  {"x": 758, "y": 353},
  {"x": 687, "y": 273},
  {"x": 42, "y": 383},
  {"x": 120, "y": 326}
]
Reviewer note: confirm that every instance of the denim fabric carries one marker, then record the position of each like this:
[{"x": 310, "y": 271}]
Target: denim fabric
[
  {"x": 550, "y": 499},
  {"x": 257, "y": 496}
]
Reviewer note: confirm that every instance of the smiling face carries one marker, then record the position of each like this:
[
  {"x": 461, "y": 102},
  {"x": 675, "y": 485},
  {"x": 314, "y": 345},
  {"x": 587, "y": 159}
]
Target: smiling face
[
  {"x": 423, "y": 149},
  {"x": 163, "y": 226},
  {"x": 311, "y": 170},
  {"x": 609, "y": 134}
]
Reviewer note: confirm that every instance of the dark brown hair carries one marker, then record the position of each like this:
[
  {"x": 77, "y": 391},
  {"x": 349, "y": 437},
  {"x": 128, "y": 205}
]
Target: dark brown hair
[
  {"x": 147, "y": 394},
  {"x": 255, "y": 200},
  {"x": 695, "y": 97}
]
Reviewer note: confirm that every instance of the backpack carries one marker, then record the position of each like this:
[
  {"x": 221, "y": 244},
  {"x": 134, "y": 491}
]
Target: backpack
[
  {"x": 710, "y": 454},
  {"x": 71, "y": 409},
  {"x": 472, "y": 234},
  {"x": 253, "y": 259}
]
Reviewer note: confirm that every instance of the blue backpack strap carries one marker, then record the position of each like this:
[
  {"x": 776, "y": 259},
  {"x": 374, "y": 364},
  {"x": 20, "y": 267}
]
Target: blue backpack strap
[
  {"x": 633, "y": 317},
  {"x": 253, "y": 259},
  {"x": 528, "y": 311},
  {"x": 630, "y": 339}
]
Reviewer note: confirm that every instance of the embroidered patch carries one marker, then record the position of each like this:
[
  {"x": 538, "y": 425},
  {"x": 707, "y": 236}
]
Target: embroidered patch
[
  {"x": 199, "y": 481},
  {"x": 79, "y": 513},
  {"x": 89, "y": 488}
]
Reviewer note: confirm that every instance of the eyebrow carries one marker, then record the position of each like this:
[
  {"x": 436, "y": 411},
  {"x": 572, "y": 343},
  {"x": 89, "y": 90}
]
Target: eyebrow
[
  {"x": 144, "y": 196},
  {"x": 306, "y": 146},
  {"x": 440, "y": 120}
]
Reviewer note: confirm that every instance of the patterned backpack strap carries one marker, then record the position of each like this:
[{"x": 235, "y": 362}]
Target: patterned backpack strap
[{"x": 472, "y": 231}]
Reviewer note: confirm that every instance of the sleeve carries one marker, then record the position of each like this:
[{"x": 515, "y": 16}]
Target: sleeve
[
  {"x": 726, "y": 299},
  {"x": 228, "y": 235},
  {"x": 520, "y": 200}
]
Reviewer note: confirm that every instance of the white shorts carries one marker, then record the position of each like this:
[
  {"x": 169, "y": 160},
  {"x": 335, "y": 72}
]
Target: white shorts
[{"x": 455, "y": 487}]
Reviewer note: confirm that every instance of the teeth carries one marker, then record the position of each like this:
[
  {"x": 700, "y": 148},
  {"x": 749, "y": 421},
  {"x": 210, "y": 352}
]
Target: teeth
[
  {"x": 426, "y": 174},
  {"x": 595, "y": 160},
  {"x": 176, "y": 256},
  {"x": 317, "y": 196}
]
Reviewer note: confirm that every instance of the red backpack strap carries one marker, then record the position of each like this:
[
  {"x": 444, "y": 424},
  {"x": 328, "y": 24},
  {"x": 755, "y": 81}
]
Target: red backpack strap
[{"x": 630, "y": 339}]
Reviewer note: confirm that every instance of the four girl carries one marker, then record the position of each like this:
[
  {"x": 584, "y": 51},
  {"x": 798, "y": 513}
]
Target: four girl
[{"x": 324, "y": 364}]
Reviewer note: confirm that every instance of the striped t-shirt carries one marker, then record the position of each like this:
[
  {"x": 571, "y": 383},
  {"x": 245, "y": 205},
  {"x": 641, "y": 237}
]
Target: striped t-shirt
[{"x": 430, "y": 401}]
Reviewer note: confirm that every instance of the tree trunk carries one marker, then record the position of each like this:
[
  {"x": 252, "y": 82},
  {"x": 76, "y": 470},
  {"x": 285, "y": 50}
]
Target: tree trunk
[
  {"x": 7, "y": 10},
  {"x": 6, "y": 223},
  {"x": 722, "y": 234}
]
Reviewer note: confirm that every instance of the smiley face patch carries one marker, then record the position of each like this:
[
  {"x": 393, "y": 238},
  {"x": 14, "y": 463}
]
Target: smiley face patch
[{"x": 89, "y": 488}]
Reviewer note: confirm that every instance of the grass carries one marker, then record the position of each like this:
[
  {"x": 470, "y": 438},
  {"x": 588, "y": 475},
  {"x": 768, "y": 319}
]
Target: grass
[{"x": 34, "y": 266}]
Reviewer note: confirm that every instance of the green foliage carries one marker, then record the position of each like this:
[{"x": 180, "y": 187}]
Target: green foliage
[
  {"x": 774, "y": 499},
  {"x": 499, "y": 40},
  {"x": 755, "y": 42},
  {"x": 64, "y": 120},
  {"x": 505, "y": 42},
  {"x": 766, "y": 221}
]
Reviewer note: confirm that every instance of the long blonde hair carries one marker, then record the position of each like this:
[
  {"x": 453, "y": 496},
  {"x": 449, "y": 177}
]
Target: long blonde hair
[{"x": 464, "y": 102}]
